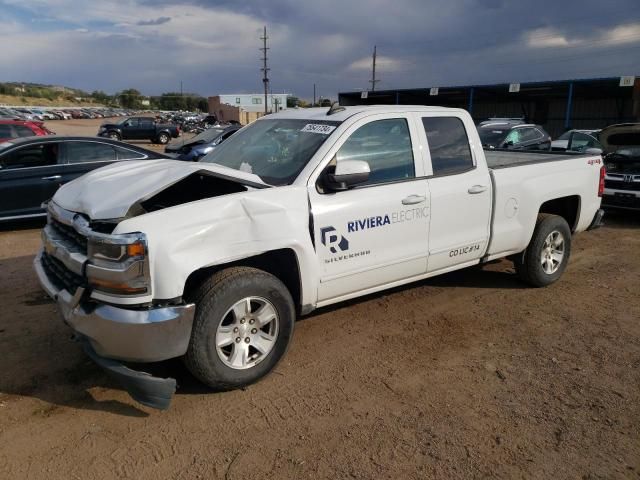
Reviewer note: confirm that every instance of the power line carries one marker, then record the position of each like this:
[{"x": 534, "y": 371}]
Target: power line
[{"x": 265, "y": 70}]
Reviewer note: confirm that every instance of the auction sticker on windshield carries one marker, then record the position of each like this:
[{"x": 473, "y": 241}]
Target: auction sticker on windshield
[{"x": 318, "y": 128}]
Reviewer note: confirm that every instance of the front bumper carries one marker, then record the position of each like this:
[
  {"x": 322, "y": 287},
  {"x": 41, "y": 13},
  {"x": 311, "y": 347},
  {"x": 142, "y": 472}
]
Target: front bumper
[{"x": 135, "y": 335}]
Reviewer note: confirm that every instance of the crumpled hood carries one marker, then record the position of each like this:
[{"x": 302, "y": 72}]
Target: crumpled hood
[{"x": 109, "y": 192}]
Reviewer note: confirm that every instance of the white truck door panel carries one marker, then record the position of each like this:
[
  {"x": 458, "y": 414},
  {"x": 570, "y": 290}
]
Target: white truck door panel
[
  {"x": 376, "y": 233},
  {"x": 461, "y": 195}
]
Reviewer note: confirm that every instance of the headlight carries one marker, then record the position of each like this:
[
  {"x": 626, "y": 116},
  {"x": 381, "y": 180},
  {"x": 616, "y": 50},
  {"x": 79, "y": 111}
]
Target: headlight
[
  {"x": 119, "y": 264},
  {"x": 204, "y": 151},
  {"x": 102, "y": 129}
]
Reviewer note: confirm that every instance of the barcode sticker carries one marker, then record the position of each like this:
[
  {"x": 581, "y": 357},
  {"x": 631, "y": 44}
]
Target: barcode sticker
[{"x": 318, "y": 128}]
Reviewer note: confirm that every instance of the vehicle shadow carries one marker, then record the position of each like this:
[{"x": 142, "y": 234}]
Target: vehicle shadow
[
  {"x": 621, "y": 218},
  {"x": 41, "y": 361},
  {"x": 26, "y": 224}
]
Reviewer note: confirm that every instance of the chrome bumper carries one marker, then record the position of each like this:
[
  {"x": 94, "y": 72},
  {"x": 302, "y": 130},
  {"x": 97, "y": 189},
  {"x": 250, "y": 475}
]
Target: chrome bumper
[{"x": 144, "y": 335}]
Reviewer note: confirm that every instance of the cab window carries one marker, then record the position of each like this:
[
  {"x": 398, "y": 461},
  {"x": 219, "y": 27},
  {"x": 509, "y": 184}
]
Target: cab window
[
  {"x": 386, "y": 146},
  {"x": 448, "y": 145}
]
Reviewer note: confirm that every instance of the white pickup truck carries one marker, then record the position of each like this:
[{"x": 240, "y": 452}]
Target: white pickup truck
[{"x": 213, "y": 261}]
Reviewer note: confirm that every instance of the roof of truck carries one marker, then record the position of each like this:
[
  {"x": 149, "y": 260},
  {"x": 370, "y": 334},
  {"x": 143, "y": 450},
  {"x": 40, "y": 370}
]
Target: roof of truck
[{"x": 346, "y": 112}]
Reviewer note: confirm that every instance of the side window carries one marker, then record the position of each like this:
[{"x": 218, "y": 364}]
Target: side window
[
  {"x": 581, "y": 141},
  {"x": 23, "y": 131},
  {"x": 126, "y": 154},
  {"x": 32, "y": 156},
  {"x": 514, "y": 136},
  {"x": 386, "y": 146},
  {"x": 448, "y": 145},
  {"x": 146, "y": 123},
  {"x": 529, "y": 134},
  {"x": 84, "y": 152},
  {"x": 132, "y": 122},
  {"x": 6, "y": 131}
]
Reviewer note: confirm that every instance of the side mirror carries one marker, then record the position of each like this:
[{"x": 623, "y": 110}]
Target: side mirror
[
  {"x": 507, "y": 144},
  {"x": 347, "y": 174},
  {"x": 594, "y": 151}
]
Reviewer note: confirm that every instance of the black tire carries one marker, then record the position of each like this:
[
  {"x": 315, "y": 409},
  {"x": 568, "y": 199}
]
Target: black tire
[
  {"x": 529, "y": 264},
  {"x": 213, "y": 299},
  {"x": 163, "y": 138},
  {"x": 114, "y": 136}
]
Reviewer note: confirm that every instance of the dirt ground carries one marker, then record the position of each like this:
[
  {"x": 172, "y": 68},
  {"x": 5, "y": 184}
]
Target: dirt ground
[{"x": 467, "y": 375}]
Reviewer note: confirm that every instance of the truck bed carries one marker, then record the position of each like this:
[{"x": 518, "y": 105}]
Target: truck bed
[{"x": 510, "y": 158}]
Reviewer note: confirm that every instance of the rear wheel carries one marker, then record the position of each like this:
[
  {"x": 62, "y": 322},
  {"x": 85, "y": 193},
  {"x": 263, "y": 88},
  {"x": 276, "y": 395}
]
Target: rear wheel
[
  {"x": 547, "y": 255},
  {"x": 242, "y": 327}
]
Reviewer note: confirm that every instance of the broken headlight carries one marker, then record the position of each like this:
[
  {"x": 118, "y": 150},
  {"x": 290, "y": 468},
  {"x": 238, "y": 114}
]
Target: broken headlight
[{"x": 119, "y": 264}]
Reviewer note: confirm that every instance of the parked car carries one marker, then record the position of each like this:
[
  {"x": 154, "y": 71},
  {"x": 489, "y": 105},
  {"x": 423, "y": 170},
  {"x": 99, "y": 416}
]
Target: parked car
[
  {"x": 201, "y": 144},
  {"x": 621, "y": 145},
  {"x": 32, "y": 169},
  {"x": 513, "y": 135},
  {"x": 576, "y": 141},
  {"x": 20, "y": 128},
  {"x": 212, "y": 261},
  {"x": 139, "y": 128}
]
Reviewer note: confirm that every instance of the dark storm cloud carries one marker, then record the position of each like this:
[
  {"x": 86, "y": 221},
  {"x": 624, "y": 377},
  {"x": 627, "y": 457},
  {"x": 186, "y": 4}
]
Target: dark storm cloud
[
  {"x": 212, "y": 45},
  {"x": 157, "y": 21}
]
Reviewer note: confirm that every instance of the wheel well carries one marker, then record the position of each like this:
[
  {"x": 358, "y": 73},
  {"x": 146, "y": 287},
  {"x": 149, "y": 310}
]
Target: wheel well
[
  {"x": 282, "y": 264},
  {"x": 566, "y": 207}
]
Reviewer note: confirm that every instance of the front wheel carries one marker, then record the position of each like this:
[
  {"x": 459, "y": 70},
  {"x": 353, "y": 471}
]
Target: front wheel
[
  {"x": 242, "y": 327},
  {"x": 114, "y": 136},
  {"x": 547, "y": 255},
  {"x": 163, "y": 138}
]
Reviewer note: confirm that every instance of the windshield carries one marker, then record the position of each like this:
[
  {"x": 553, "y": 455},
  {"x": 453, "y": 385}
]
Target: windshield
[
  {"x": 209, "y": 135},
  {"x": 491, "y": 136},
  {"x": 275, "y": 149}
]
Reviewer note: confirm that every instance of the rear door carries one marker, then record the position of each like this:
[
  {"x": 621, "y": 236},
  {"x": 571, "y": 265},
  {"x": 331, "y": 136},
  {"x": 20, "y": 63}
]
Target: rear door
[
  {"x": 30, "y": 175},
  {"x": 147, "y": 129},
  {"x": 460, "y": 193}
]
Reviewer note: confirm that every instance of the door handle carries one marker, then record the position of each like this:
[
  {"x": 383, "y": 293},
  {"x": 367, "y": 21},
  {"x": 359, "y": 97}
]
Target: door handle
[
  {"x": 53, "y": 177},
  {"x": 413, "y": 199},
  {"x": 477, "y": 189}
]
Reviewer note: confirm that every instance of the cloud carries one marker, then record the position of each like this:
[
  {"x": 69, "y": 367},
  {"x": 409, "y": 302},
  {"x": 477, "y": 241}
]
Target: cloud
[
  {"x": 157, "y": 21},
  {"x": 212, "y": 46}
]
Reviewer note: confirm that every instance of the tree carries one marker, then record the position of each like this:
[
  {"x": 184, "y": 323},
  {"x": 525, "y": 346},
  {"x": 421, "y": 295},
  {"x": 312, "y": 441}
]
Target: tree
[
  {"x": 101, "y": 97},
  {"x": 130, "y": 98}
]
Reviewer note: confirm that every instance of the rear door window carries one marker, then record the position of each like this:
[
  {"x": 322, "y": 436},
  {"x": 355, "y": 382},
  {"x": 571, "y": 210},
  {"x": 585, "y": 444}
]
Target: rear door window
[
  {"x": 23, "y": 131},
  {"x": 126, "y": 154},
  {"x": 85, "y": 152},
  {"x": 448, "y": 145}
]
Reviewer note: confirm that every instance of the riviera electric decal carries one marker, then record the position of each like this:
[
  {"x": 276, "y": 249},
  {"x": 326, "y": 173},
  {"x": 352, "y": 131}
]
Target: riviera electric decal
[{"x": 400, "y": 216}]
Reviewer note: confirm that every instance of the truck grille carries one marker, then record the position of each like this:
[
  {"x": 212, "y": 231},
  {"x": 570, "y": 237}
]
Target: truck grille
[
  {"x": 70, "y": 234},
  {"x": 60, "y": 275},
  {"x": 622, "y": 185}
]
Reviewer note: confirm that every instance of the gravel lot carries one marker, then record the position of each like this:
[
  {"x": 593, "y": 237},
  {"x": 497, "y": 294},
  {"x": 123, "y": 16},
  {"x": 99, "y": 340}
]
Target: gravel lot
[{"x": 467, "y": 375}]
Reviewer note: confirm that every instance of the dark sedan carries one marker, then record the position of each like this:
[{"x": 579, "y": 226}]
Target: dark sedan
[
  {"x": 513, "y": 135},
  {"x": 201, "y": 144},
  {"x": 33, "y": 168}
]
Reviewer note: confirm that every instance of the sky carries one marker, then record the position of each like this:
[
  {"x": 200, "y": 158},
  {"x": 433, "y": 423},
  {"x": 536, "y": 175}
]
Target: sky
[{"x": 212, "y": 47}]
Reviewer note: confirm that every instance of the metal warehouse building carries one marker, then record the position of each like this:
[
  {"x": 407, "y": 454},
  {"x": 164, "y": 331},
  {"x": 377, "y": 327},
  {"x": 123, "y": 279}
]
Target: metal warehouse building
[{"x": 556, "y": 105}]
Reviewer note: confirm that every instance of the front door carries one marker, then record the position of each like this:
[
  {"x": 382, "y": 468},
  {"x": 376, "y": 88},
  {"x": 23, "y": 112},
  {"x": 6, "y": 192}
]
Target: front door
[
  {"x": 376, "y": 233},
  {"x": 29, "y": 176}
]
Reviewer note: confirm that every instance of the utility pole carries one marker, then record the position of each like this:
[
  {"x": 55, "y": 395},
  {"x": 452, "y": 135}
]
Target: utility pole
[
  {"x": 314, "y": 95},
  {"x": 373, "y": 80},
  {"x": 265, "y": 70}
]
